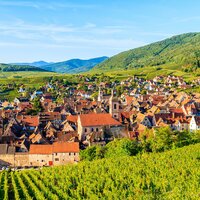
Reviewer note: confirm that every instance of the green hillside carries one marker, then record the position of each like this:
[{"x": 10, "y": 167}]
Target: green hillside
[
  {"x": 181, "y": 51},
  {"x": 170, "y": 175},
  {"x": 15, "y": 68}
]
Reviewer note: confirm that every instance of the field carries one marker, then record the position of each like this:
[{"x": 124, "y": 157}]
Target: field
[
  {"x": 151, "y": 72},
  {"x": 171, "y": 175},
  {"x": 6, "y": 76}
]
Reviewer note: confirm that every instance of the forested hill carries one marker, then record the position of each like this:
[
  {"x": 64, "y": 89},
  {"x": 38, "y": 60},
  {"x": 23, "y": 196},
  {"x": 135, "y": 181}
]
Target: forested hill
[
  {"x": 13, "y": 68},
  {"x": 183, "y": 50},
  {"x": 74, "y": 65}
]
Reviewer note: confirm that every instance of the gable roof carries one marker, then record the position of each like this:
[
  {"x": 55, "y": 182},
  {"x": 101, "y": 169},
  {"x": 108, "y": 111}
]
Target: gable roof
[
  {"x": 40, "y": 149},
  {"x": 29, "y": 120},
  {"x": 58, "y": 147},
  {"x": 64, "y": 147},
  {"x": 72, "y": 118},
  {"x": 94, "y": 119}
]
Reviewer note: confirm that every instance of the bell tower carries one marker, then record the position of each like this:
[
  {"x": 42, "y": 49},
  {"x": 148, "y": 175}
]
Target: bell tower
[
  {"x": 114, "y": 106},
  {"x": 100, "y": 95}
]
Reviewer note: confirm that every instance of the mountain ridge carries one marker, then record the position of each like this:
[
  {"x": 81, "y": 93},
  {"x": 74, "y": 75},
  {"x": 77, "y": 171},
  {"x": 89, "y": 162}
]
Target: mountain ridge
[
  {"x": 73, "y": 66},
  {"x": 34, "y": 64}
]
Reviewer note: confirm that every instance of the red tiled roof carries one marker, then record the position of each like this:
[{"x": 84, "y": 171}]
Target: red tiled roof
[
  {"x": 58, "y": 147},
  {"x": 30, "y": 120},
  {"x": 127, "y": 115},
  {"x": 64, "y": 147},
  {"x": 72, "y": 118},
  {"x": 41, "y": 149},
  {"x": 101, "y": 119}
]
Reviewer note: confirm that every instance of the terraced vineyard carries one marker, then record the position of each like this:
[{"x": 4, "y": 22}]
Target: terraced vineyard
[{"x": 171, "y": 175}]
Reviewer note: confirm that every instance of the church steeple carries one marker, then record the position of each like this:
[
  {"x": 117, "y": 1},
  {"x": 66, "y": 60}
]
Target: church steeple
[
  {"x": 114, "y": 105},
  {"x": 100, "y": 95}
]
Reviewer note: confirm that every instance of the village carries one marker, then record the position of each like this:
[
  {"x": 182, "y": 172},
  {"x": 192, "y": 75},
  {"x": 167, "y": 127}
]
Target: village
[{"x": 39, "y": 128}]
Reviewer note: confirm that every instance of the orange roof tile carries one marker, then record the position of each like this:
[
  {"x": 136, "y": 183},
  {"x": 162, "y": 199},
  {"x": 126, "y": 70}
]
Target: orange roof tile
[
  {"x": 72, "y": 118},
  {"x": 58, "y": 147},
  {"x": 101, "y": 119},
  {"x": 41, "y": 149},
  {"x": 30, "y": 120},
  {"x": 64, "y": 147}
]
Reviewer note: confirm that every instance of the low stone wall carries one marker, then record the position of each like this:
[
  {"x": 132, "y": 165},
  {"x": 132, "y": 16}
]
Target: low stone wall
[
  {"x": 7, "y": 159},
  {"x": 26, "y": 159},
  {"x": 21, "y": 159},
  {"x": 14, "y": 160}
]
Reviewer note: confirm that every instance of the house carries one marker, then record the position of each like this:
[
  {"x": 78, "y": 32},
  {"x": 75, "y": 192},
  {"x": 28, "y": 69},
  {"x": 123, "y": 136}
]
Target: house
[
  {"x": 18, "y": 100},
  {"x": 29, "y": 122},
  {"x": 56, "y": 154},
  {"x": 143, "y": 119},
  {"x": 102, "y": 122},
  {"x": 182, "y": 124},
  {"x": 35, "y": 94},
  {"x": 195, "y": 123}
]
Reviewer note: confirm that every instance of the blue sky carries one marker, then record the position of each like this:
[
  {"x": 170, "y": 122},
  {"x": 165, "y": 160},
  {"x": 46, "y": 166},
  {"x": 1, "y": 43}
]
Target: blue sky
[{"x": 63, "y": 29}]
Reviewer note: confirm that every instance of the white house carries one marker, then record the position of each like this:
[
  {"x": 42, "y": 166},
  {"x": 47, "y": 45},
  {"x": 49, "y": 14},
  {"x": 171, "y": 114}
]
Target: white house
[{"x": 195, "y": 123}]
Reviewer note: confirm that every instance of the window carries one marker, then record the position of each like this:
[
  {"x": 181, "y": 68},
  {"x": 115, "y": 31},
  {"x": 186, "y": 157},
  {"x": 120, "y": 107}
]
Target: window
[
  {"x": 56, "y": 154},
  {"x": 85, "y": 130},
  {"x": 115, "y": 106},
  {"x": 97, "y": 129},
  {"x": 69, "y": 154},
  {"x": 56, "y": 159},
  {"x": 92, "y": 129}
]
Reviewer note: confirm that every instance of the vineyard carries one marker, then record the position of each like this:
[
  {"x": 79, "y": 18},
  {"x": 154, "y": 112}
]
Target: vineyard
[{"x": 171, "y": 175}]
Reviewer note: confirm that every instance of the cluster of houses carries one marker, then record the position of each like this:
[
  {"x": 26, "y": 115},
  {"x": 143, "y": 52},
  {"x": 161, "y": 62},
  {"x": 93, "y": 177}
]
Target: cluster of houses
[{"x": 55, "y": 135}]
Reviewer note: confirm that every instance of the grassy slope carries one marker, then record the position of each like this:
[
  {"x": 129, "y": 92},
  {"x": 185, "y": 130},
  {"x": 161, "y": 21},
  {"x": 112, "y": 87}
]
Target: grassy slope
[
  {"x": 169, "y": 54},
  {"x": 169, "y": 175}
]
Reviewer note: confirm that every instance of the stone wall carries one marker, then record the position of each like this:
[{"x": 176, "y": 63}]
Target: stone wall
[
  {"x": 26, "y": 159},
  {"x": 14, "y": 160}
]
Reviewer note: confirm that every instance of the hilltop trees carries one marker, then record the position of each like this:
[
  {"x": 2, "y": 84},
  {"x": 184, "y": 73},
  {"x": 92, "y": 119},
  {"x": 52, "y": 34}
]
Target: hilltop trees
[{"x": 158, "y": 140}]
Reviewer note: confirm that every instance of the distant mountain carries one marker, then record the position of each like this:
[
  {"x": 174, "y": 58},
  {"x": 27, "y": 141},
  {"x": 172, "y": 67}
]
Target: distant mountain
[
  {"x": 74, "y": 65},
  {"x": 13, "y": 68},
  {"x": 35, "y": 64},
  {"x": 181, "y": 50}
]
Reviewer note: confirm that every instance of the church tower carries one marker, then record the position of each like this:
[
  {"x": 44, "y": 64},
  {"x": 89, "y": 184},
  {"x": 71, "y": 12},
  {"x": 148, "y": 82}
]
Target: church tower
[
  {"x": 100, "y": 95},
  {"x": 114, "y": 106}
]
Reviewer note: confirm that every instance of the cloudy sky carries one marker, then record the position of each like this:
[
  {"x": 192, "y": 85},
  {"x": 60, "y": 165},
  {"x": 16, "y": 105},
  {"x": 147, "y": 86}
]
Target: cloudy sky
[{"x": 59, "y": 30}]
